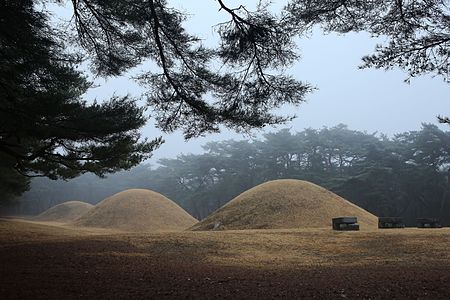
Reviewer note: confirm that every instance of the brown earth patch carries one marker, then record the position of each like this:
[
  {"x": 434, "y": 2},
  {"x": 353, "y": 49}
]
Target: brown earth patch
[{"x": 45, "y": 262}]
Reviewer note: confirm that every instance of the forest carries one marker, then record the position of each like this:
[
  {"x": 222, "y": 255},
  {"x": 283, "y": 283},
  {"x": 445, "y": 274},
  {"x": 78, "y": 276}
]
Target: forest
[{"x": 405, "y": 175}]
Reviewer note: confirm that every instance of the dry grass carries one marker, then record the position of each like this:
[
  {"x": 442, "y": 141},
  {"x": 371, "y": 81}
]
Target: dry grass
[
  {"x": 25, "y": 231},
  {"x": 285, "y": 203},
  {"x": 261, "y": 249},
  {"x": 137, "y": 210},
  {"x": 301, "y": 248},
  {"x": 65, "y": 212}
]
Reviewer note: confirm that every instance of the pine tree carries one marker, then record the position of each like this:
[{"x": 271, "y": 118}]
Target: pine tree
[{"x": 46, "y": 128}]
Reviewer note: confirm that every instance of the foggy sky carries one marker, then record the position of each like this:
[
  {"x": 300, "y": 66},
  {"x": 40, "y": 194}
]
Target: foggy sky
[{"x": 368, "y": 100}]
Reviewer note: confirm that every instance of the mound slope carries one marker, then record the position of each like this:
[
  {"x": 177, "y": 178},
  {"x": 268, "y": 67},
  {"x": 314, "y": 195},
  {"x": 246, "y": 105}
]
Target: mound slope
[
  {"x": 65, "y": 212},
  {"x": 285, "y": 203},
  {"x": 137, "y": 210}
]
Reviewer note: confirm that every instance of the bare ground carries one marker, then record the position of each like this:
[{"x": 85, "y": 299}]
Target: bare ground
[{"x": 57, "y": 262}]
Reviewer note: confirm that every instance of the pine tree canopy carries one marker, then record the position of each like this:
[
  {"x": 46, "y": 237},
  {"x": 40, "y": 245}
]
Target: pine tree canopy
[
  {"x": 239, "y": 83},
  {"x": 417, "y": 31},
  {"x": 47, "y": 129}
]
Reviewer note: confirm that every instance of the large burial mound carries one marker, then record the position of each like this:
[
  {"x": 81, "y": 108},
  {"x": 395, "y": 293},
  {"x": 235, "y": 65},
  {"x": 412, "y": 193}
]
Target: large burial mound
[
  {"x": 65, "y": 212},
  {"x": 286, "y": 203},
  {"x": 137, "y": 210}
]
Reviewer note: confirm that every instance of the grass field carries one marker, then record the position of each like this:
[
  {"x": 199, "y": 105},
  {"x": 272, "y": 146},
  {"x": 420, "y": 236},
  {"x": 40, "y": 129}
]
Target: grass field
[{"x": 53, "y": 260}]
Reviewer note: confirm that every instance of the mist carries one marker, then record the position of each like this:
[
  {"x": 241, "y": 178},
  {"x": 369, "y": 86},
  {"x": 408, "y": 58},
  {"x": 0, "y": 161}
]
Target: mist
[{"x": 404, "y": 176}]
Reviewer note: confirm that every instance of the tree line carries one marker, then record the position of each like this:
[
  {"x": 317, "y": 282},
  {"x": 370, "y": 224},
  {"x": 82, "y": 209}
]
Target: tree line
[{"x": 405, "y": 175}]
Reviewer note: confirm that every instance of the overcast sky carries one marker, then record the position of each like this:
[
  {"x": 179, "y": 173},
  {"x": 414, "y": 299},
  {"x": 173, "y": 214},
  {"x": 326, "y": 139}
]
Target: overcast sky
[{"x": 368, "y": 100}]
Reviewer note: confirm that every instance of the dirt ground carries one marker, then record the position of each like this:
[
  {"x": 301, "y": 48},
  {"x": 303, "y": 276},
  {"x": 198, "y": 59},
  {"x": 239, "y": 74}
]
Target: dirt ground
[{"x": 53, "y": 261}]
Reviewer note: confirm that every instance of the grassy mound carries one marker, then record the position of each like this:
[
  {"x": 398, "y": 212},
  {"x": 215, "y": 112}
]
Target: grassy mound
[
  {"x": 65, "y": 212},
  {"x": 284, "y": 203},
  {"x": 137, "y": 210}
]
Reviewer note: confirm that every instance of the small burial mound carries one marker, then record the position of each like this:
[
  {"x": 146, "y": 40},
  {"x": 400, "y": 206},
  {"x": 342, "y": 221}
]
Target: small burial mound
[
  {"x": 65, "y": 212},
  {"x": 285, "y": 203},
  {"x": 137, "y": 210}
]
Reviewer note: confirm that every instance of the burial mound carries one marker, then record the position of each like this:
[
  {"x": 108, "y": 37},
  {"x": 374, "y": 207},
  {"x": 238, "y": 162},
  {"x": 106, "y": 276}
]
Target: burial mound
[
  {"x": 137, "y": 210},
  {"x": 285, "y": 203},
  {"x": 65, "y": 212}
]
